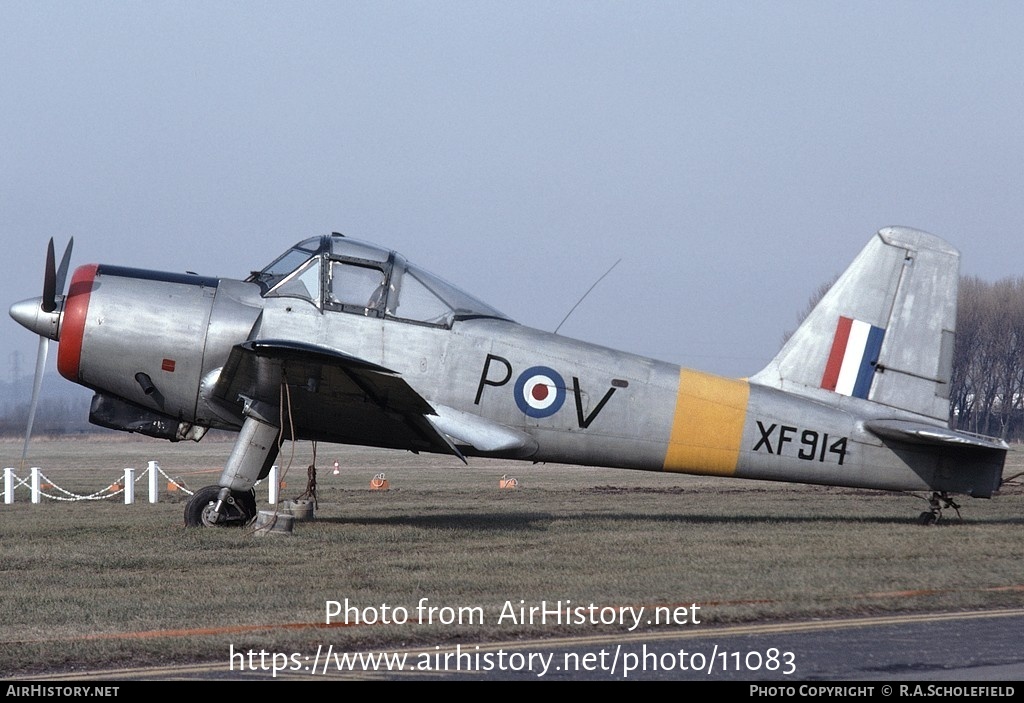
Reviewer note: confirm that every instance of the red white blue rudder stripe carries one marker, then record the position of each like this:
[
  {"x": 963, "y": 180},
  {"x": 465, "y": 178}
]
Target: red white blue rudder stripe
[{"x": 851, "y": 363}]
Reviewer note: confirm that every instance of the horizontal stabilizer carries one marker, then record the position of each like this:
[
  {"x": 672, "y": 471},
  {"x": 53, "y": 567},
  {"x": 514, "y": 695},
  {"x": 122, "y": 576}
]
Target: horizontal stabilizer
[{"x": 921, "y": 433}]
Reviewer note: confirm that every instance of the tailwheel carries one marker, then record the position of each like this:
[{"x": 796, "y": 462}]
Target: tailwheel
[
  {"x": 208, "y": 509},
  {"x": 937, "y": 502}
]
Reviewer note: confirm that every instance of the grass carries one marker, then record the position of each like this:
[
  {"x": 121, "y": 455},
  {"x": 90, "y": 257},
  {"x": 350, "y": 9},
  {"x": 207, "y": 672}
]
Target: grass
[{"x": 95, "y": 584}]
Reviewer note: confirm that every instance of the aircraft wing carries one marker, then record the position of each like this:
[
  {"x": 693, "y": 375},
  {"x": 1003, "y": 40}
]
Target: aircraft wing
[{"x": 331, "y": 396}]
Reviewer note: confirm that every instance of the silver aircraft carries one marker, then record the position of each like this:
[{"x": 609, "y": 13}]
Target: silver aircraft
[{"x": 342, "y": 341}]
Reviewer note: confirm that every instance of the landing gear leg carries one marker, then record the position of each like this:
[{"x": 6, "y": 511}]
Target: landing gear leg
[
  {"x": 936, "y": 503},
  {"x": 254, "y": 452}
]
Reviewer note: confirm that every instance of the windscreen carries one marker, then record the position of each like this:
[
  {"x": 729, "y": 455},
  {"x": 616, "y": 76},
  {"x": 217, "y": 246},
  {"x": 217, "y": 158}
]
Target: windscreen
[{"x": 283, "y": 265}]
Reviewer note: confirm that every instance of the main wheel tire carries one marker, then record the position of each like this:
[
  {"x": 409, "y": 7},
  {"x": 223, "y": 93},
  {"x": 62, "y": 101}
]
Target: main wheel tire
[
  {"x": 927, "y": 518},
  {"x": 238, "y": 510}
]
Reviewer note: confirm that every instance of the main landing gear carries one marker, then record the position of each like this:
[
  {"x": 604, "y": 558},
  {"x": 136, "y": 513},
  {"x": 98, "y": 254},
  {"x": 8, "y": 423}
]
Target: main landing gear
[
  {"x": 233, "y": 501},
  {"x": 937, "y": 502},
  {"x": 207, "y": 509}
]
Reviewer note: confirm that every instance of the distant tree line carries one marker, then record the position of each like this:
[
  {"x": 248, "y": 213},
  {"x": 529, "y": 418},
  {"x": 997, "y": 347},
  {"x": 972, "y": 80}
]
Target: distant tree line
[
  {"x": 987, "y": 388},
  {"x": 54, "y": 416}
]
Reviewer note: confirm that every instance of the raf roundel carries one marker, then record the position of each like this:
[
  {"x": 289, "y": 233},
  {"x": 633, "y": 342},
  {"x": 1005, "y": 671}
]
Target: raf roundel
[{"x": 540, "y": 391}]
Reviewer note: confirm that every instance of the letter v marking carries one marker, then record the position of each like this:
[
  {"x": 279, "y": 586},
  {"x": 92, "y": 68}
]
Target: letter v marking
[{"x": 585, "y": 421}]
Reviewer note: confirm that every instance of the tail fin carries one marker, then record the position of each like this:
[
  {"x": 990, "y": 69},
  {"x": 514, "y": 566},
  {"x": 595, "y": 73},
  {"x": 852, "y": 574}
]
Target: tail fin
[{"x": 884, "y": 332}]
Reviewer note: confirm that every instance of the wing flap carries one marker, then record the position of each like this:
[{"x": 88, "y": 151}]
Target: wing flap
[{"x": 483, "y": 435}]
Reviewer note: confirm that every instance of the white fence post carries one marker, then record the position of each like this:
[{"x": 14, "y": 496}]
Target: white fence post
[
  {"x": 154, "y": 490},
  {"x": 275, "y": 486},
  {"x": 35, "y": 484},
  {"x": 8, "y": 485},
  {"x": 129, "y": 486}
]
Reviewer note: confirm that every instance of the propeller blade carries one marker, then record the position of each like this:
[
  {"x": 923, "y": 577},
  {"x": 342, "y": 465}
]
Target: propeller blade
[
  {"x": 49, "y": 303},
  {"x": 37, "y": 384},
  {"x": 62, "y": 271}
]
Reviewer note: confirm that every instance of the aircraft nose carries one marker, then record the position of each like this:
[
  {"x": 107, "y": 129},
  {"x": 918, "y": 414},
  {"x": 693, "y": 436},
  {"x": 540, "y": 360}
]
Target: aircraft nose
[{"x": 29, "y": 314}]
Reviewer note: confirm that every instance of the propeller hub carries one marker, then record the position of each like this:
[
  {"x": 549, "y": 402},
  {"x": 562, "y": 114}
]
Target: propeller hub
[{"x": 30, "y": 315}]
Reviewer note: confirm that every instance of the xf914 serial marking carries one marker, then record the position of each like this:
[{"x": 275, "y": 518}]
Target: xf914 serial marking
[
  {"x": 353, "y": 344},
  {"x": 808, "y": 444}
]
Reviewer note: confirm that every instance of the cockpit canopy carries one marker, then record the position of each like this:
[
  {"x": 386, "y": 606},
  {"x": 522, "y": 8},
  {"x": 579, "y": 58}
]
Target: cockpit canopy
[{"x": 334, "y": 272}]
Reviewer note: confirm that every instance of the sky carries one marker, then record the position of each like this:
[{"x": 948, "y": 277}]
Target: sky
[{"x": 733, "y": 155}]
